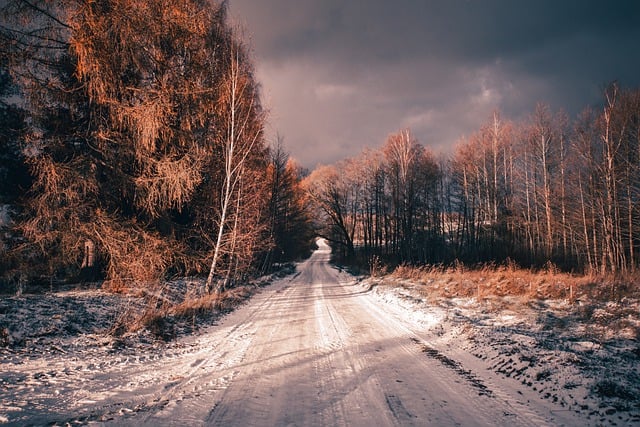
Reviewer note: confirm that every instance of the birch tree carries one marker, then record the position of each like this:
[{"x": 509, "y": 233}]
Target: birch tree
[
  {"x": 402, "y": 155},
  {"x": 242, "y": 135},
  {"x": 128, "y": 102}
]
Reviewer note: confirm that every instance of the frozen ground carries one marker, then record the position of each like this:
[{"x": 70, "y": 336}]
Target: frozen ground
[
  {"x": 322, "y": 348},
  {"x": 582, "y": 357}
]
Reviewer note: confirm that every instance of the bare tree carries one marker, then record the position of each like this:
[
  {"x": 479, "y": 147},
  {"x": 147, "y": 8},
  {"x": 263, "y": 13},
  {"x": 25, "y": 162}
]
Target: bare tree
[
  {"x": 243, "y": 134},
  {"x": 335, "y": 194},
  {"x": 291, "y": 230},
  {"x": 402, "y": 154}
]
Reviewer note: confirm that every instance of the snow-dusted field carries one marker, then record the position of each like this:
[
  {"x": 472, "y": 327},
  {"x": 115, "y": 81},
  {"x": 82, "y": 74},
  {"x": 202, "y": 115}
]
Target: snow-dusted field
[
  {"x": 322, "y": 348},
  {"x": 582, "y": 358}
]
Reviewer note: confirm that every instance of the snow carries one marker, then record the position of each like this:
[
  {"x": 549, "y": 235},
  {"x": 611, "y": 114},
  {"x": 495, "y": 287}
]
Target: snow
[
  {"x": 586, "y": 364},
  {"x": 323, "y": 347}
]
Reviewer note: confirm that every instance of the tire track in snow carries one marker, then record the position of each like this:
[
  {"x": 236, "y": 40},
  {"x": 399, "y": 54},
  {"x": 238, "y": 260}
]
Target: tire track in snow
[
  {"x": 201, "y": 392},
  {"x": 456, "y": 367},
  {"x": 484, "y": 401},
  {"x": 310, "y": 350}
]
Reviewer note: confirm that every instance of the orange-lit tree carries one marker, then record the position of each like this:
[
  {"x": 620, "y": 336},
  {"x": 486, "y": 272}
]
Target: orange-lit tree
[{"x": 129, "y": 143}]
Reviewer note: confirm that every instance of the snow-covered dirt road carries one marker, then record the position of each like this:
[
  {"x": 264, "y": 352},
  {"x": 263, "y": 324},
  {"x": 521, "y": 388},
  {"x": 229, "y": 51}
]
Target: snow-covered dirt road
[{"x": 317, "y": 348}]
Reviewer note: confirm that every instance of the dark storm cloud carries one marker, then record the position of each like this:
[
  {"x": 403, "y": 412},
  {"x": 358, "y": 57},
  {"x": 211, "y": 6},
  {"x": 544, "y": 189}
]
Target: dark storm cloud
[{"x": 340, "y": 75}]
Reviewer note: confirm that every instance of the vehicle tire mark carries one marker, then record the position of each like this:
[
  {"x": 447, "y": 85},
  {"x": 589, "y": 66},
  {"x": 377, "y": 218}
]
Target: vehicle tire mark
[
  {"x": 397, "y": 408},
  {"x": 457, "y": 367}
]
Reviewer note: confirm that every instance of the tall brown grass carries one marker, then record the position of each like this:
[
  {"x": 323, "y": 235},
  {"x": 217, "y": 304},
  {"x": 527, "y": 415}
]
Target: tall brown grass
[{"x": 508, "y": 279}]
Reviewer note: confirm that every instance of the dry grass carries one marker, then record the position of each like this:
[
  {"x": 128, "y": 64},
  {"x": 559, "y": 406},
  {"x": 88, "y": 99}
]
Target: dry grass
[
  {"x": 601, "y": 308},
  {"x": 222, "y": 302},
  {"x": 509, "y": 280},
  {"x": 162, "y": 318}
]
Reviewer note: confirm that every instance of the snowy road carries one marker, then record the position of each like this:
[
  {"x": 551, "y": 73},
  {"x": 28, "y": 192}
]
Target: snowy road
[{"x": 313, "y": 349}]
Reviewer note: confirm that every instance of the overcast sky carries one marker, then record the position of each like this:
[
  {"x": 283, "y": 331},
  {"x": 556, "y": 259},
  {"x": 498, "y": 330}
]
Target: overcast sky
[{"x": 339, "y": 75}]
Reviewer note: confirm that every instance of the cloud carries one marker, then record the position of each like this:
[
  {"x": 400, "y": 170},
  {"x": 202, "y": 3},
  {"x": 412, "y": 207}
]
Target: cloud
[
  {"x": 338, "y": 76},
  {"x": 420, "y": 120},
  {"x": 331, "y": 91}
]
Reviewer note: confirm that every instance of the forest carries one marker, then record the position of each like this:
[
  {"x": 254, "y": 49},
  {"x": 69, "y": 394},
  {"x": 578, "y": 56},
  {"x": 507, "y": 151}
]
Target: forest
[
  {"x": 546, "y": 191},
  {"x": 133, "y": 150}
]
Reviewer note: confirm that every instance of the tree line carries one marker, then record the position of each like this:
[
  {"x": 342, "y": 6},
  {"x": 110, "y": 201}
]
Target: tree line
[
  {"x": 133, "y": 147},
  {"x": 542, "y": 190}
]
